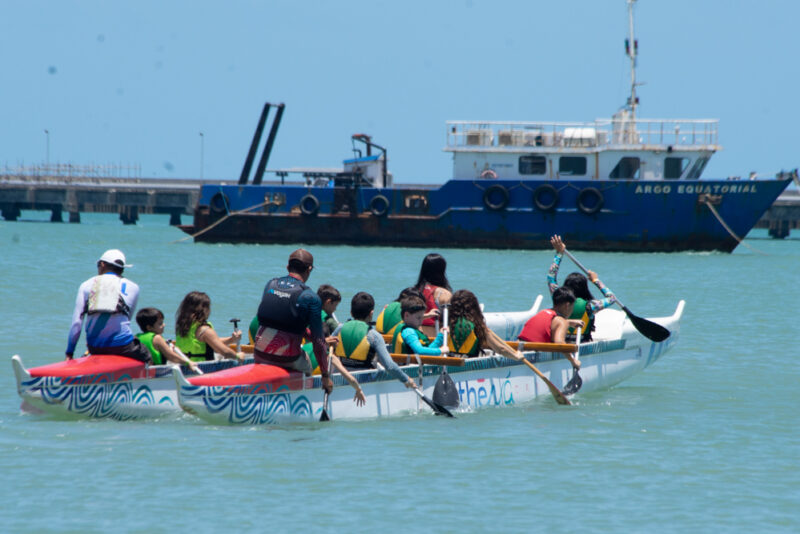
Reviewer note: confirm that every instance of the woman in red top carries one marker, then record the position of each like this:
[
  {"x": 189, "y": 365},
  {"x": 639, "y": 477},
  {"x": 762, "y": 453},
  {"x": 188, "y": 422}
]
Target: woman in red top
[{"x": 435, "y": 289}]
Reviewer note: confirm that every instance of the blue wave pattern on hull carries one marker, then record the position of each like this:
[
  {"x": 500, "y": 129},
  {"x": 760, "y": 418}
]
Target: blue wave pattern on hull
[
  {"x": 249, "y": 409},
  {"x": 102, "y": 400}
]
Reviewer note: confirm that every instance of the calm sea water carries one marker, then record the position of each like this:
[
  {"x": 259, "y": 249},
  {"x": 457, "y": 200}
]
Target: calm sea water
[{"x": 704, "y": 440}]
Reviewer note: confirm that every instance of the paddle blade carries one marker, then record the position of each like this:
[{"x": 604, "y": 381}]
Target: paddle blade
[
  {"x": 324, "y": 416},
  {"x": 438, "y": 409},
  {"x": 575, "y": 383},
  {"x": 648, "y": 329},
  {"x": 445, "y": 392}
]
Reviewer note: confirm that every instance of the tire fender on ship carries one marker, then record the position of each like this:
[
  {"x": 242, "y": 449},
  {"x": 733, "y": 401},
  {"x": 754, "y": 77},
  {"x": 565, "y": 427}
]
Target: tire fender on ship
[
  {"x": 545, "y": 191},
  {"x": 379, "y": 205},
  {"x": 309, "y": 205},
  {"x": 495, "y": 197},
  {"x": 590, "y": 200},
  {"x": 219, "y": 203}
]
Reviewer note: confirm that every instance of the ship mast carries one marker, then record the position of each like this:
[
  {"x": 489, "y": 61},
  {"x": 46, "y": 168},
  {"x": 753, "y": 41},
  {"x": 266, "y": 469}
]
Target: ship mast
[{"x": 632, "y": 49}]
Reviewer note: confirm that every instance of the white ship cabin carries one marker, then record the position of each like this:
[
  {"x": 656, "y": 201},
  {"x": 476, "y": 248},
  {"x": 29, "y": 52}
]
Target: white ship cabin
[{"x": 621, "y": 148}]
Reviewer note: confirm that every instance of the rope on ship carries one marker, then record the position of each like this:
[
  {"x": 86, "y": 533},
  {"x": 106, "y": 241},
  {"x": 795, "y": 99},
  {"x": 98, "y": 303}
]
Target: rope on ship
[
  {"x": 209, "y": 227},
  {"x": 705, "y": 199}
]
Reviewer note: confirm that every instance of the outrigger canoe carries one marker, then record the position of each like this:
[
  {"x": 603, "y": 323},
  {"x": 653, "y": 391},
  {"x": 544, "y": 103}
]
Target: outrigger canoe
[
  {"x": 107, "y": 386},
  {"x": 101, "y": 386},
  {"x": 257, "y": 394}
]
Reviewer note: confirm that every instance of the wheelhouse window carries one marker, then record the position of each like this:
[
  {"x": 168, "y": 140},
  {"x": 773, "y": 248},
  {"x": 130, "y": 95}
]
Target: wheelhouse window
[
  {"x": 697, "y": 169},
  {"x": 532, "y": 165},
  {"x": 626, "y": 169},
  {"x": 674, "y": 167},
  {"x": 572, "y": 166}
]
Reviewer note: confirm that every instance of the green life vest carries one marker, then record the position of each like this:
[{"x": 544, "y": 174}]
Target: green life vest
[
  {"x": 399, "y": 347},
  {"x": 146, "y": 339},
  {"x": 253, "y": 330},
  {"x": 462, "y": 338},
  {"x": 192, "y": 347},
  {"x": 353, "y": 347},
  {"x": 580, "y": 312},
  {"x": 329, "y": 324},
  {"x": 389, "y": 318}
]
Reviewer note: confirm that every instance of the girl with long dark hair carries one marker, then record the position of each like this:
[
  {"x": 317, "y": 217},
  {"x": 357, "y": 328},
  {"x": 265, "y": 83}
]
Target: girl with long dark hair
[
  {"x": 468, "y": 331},
  {"x": 195, "y": 336},
  {"x": 432, "y": 283}
]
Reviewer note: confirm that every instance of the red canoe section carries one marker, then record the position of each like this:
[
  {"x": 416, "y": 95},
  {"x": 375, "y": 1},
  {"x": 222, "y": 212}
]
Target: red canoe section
[
  {"x": 250, "y": 375},
  {"x": 112, "y": 366}
]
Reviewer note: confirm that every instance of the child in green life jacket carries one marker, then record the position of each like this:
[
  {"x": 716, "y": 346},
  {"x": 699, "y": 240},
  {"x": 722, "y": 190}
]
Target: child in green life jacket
[
  {"x": 409, "y": 338},
  {"x": 151, "y": 321},
  {"x": 360, "y": 346}
]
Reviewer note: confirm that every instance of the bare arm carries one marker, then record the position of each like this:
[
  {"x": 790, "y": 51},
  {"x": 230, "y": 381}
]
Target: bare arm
[
  {"x": 163, "y": 347},
  {"x": 558, "y": 329},
  {"x": 500, "y": 347},
  {"x": 207, "y": 335},
  {"x": 442, "y": 296},
  {"x": 359, "y": 398}
]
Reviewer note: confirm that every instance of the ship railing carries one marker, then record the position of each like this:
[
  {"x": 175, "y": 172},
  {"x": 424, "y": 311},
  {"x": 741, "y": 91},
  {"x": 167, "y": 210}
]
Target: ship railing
[{"x": 599, "y": 133}]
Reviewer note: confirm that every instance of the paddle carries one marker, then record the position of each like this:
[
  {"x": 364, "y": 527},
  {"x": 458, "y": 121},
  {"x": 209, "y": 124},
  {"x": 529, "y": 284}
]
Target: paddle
[
  {"x": 647, "y": 328},
  {"x": 575, "y": 383},
  {"x": 557, "y": 395},
  {"x": 445, "y": 392},
  {"x": 437, "y": 408},
  {"x": 324, "y": 416}
]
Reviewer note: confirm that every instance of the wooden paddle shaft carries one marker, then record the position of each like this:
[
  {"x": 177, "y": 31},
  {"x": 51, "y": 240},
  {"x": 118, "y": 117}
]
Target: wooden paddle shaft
[{"x": 520, "y": 345}]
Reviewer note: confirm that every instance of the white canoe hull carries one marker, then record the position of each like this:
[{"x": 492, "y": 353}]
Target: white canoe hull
[
  {"x": 488, "y": 381},
  {"x": 95, "y": 397}
]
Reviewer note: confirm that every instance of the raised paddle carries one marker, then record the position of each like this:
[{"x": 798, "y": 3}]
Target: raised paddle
[{"x": 648, "y": 329}]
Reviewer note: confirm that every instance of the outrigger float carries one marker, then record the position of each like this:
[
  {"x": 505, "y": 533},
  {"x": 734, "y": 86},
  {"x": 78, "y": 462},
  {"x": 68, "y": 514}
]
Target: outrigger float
[
  {"x": 257, "y": 394},
  {"x": 105, "y": 386}
]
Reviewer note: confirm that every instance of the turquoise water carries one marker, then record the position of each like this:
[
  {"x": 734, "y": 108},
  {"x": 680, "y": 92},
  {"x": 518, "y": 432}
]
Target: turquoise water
[{"x": 704, "y": 440}]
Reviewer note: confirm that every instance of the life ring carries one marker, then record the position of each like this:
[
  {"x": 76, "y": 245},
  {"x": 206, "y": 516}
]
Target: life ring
[
  {"x": 590, "y": 200},
  {"x": 309, "y": 205},
  {"x": 379, "y": 205},
  {"x": 490, "y": 197},
  {"x": 540, "y": 196},
  {"x": 219, "y": 203},
  {"x": 489, "y": 174}
]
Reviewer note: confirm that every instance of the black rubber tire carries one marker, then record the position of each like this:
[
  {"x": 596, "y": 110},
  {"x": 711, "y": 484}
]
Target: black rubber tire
[
  {"x": 309, "y": 205},
  {"x": 219, "y": 203},
  {"x": 379, "y": 205},
  {"x": 544, "y": 190},
  {"x": 595, "y": 200},
  {"x": 493, "y": 191}
]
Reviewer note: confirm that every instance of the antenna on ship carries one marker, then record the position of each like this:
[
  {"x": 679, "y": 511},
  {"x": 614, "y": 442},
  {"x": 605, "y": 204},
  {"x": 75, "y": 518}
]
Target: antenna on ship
[{"x": 632, "y": 50}]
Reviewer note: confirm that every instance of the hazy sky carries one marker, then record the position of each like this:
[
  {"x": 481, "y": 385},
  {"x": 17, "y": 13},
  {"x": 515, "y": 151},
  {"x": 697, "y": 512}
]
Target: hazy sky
[{"x": 136, "y": 82}]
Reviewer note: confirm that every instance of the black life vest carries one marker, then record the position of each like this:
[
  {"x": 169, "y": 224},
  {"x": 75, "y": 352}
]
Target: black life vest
[{"x": 279, "y": 308}]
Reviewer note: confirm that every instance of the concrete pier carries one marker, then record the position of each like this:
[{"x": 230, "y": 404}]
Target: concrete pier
[
  {"x": 783, "y": 216},
  {"x": 128, "y": 197}
]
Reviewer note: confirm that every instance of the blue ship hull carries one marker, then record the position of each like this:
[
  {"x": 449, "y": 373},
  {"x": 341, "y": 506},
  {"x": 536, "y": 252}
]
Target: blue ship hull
[{"x": 611, "y": 215}]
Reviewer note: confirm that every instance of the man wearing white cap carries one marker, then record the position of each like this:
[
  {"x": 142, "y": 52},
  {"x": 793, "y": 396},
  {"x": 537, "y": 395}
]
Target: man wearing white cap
[{"x": 108, "y": 301}]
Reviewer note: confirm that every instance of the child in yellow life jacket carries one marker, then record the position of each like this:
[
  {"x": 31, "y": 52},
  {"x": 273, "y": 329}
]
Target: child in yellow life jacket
[
  {"x": 409, "y": 338},
  {"x": 359, "y": 344},
  {"x": 151, "y": 321},
  {"x": 468, "y": 331}
]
